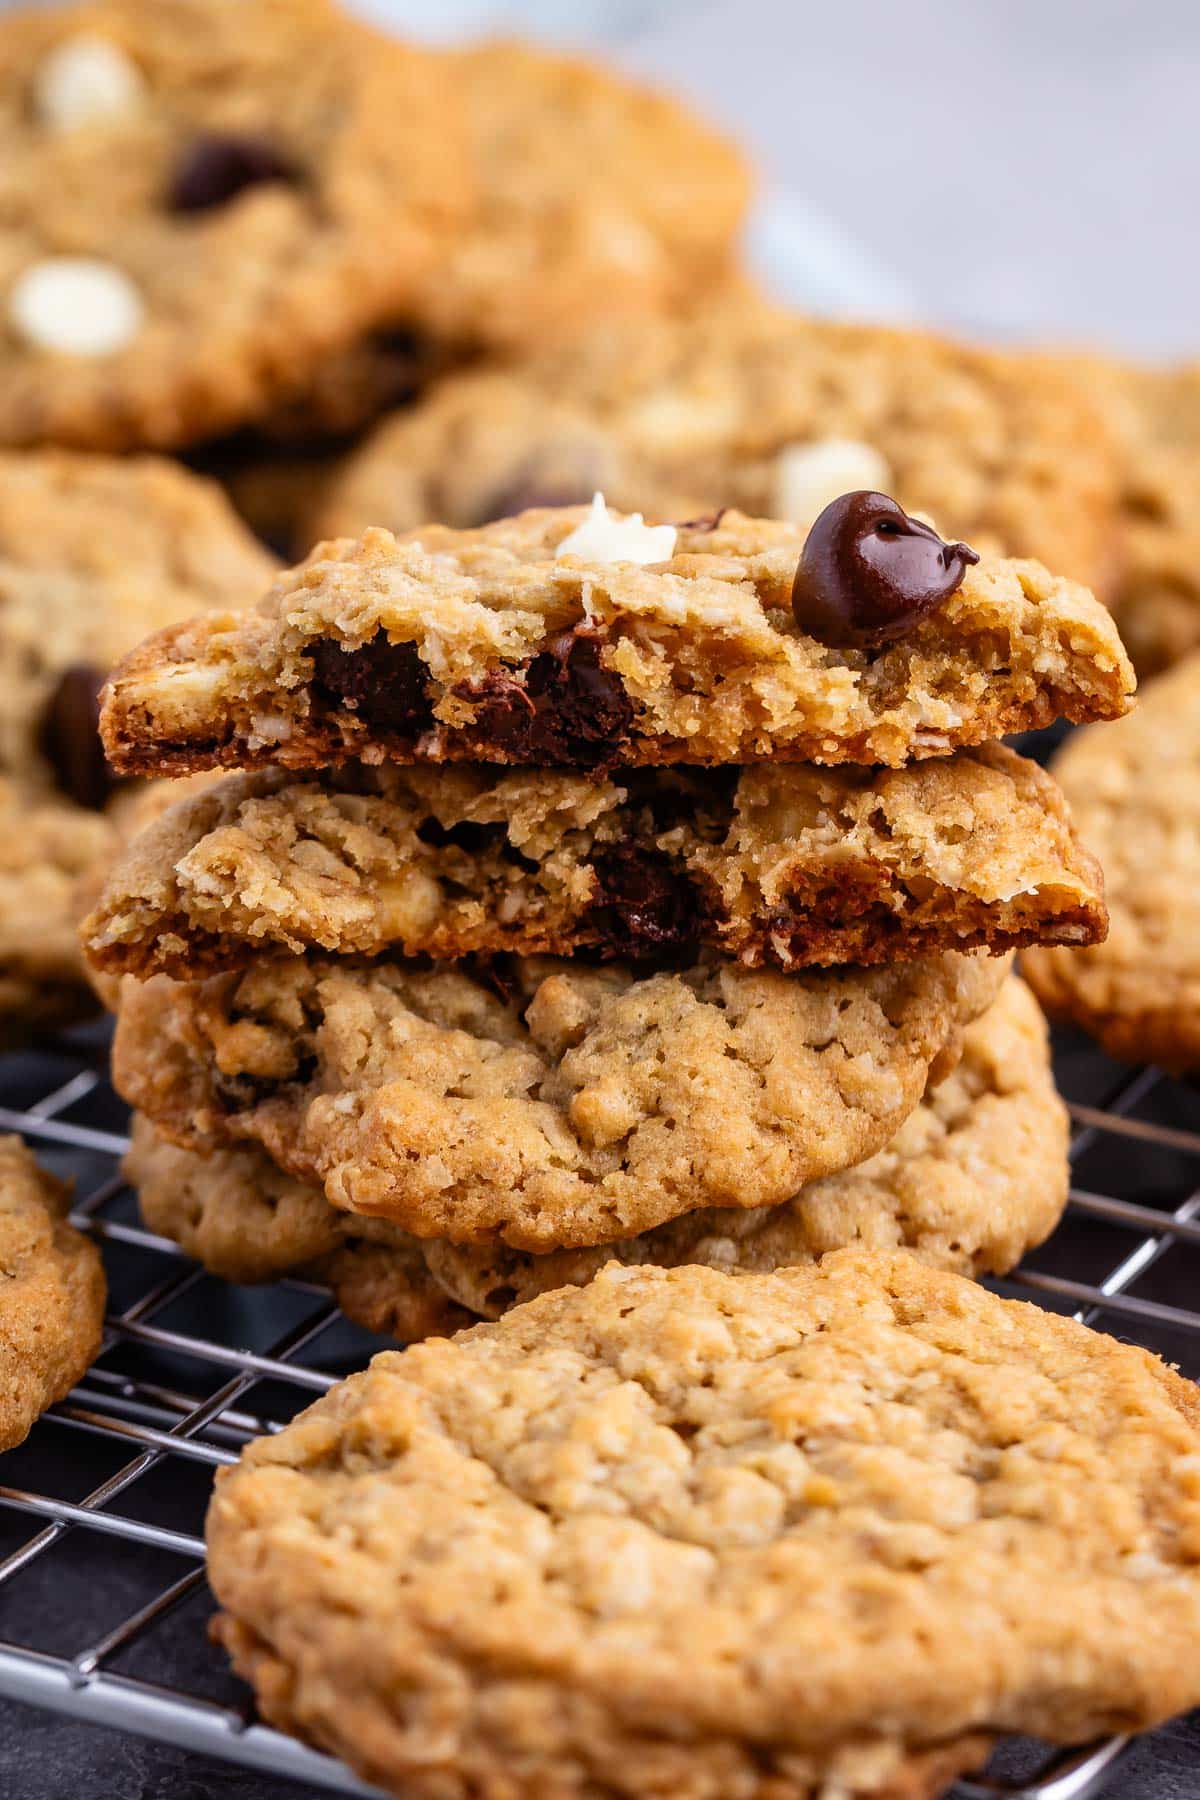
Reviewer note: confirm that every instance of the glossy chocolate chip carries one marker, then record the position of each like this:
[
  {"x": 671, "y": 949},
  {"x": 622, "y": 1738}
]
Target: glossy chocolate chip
[
  {"x": 644, "y": 906},
  {"x": 383, "y": 684},
  {"x": 217, "y": 167},
  {"x": 569, "y": 712},
  {"x": 70, "y": 737},
  {"x": 868, "y": 572}
]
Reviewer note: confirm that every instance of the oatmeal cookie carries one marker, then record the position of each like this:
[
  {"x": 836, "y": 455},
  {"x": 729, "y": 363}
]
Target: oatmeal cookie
[
  {"x": 582, "y": 639},
  {"x": 247, "y": 1221},
  {"x": 777, "y": 865},
  {"x": 540, "y": 1103},
  {"x": 48, "y": 846},
  {"x": 1135, "y": 792},
  {"x": 51, "y": 1293},
  {"x": 94, "y": 553},
  {"x": 1156, "y": 414},
  {"x": 200, "y": 200},
  {"x": 974, "y": 1177},
  {"x": 682, "y": 1532}
]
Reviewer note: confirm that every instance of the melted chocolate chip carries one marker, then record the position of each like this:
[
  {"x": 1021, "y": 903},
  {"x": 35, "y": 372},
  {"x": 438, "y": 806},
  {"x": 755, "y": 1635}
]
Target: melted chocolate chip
[
  {"x": 868, "y": 572},
  {"x": 220, "y": 165},
  {"x": 644, "y": 906},
  {"x": 569, "y": 713},
  {"x": 70, "y": 737},
  {"x": 701, "y": 798},
  {"x": 382, "y": 683}
]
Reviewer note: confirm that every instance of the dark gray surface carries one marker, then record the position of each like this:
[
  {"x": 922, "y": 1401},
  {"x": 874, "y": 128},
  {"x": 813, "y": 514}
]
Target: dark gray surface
[
  {"x": 44, "y": 1757},
  {"x": 69, "y": 1598}
]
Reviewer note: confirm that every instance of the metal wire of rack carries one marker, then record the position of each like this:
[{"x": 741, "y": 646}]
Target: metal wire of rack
[{"x": 191, "y": 1369}]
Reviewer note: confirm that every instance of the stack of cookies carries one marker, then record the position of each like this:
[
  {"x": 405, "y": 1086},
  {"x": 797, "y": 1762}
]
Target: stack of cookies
[{"x": 592, "y": 889}]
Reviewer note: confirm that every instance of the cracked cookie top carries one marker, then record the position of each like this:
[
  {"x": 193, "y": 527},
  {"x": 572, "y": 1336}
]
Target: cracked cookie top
[
  {"x": 680, "y": 1522},
  {"x": 554, "y": 639}
]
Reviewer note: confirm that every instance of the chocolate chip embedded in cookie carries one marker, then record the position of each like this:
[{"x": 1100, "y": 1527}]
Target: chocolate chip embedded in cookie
[
  {"x": 94, "y": 553},
  {"x": 781, "y": 865},
  {"x": 511, "y": 645},
  {"x": 179, "y": 251},
  {"x": 726, "y": 1534},
  {"x": 1136, "y": 792},
  {"x": 560, "y": 1106},
  {"x": 51, "y": 1293}
]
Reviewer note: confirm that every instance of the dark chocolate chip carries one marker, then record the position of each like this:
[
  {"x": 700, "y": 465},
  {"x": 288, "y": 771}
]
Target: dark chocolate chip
[
  {"x": 222, "y": 164},
  {"x": 868, "y": 572},
  {"x": 569, "y": 712},
  {"x": 703, "y": 799},
  {"x": 382, "y": 683},
  {"x": 644, "y": 906},
  {"x": 70, "y": 737},
  {"x": 528, "y": 492},
  {"x": 706, "y": 522}
]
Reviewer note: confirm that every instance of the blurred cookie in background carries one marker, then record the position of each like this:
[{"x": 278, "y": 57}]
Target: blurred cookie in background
[
  {"x": 1156, "y": 416},
  {"x": 594, "y": 197},
  {"x": 1134, "y": 792},
  {"x": 52, "y": 1297},
  {"x": 95, "y": 553},
  {"x": 198, "y": 201},
  {"x": 745, "y": 404},
  {"x": 47, "y": 848}
]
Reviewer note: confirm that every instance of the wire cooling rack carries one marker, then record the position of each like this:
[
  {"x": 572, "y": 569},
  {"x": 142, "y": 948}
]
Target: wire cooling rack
[{"x": 102, "y": 1597}]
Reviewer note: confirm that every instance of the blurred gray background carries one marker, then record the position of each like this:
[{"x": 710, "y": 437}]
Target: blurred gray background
[{"x": 1013, "y": 168}]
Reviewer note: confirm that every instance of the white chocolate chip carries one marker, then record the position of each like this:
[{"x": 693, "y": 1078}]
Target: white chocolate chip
[
  {"x": 809, "y": 476},
  {"x": 84, "y": 80},
  {"x": 605, "y": 537},
  {"x": 77, "y": 305}
]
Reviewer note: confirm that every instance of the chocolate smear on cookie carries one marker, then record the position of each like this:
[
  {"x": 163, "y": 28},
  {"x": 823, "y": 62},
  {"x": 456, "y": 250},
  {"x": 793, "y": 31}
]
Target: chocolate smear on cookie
[
  {"x": 568, "y": 712},
  {"x": 868, "y": 572}
]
